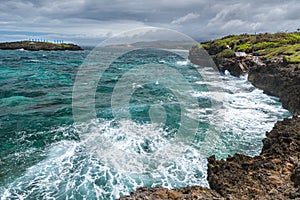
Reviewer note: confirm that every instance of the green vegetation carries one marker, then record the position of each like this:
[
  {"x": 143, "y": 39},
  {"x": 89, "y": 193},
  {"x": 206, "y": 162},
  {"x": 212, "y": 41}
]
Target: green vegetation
[
  {"x": 227, "y": 53},
  {"x": 290, "y": 52},
  {"x": 265, "y": 44},
  {"x": 64, "y": 45},
  {"x": 244, "y": 47}
]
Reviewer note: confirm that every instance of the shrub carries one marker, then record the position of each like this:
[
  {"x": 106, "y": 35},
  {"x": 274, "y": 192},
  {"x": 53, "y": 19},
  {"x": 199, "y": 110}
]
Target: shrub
[{"x": 227, "y": 53}]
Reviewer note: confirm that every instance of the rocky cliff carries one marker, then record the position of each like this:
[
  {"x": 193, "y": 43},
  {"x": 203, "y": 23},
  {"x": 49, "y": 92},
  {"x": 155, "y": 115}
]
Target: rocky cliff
[
  {"x": 274, "y": 174},
  {"x": 279, "y": 79},
  {"x": 36, "y": 46}
]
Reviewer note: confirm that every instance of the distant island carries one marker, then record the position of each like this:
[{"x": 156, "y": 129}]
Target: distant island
[{"x": 36, "y": 46}]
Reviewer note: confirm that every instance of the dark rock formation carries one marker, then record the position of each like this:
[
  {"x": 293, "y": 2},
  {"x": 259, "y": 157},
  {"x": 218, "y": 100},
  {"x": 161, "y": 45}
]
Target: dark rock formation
[
  {"x": 274, "y": 174},
  {"x": 194, "y": 192},
  {"x": 236, "y": 66},
  {"x": 280, "y": 79},
  {"x": 36, "y": 46},
  {"x": 232, "y": 65}
]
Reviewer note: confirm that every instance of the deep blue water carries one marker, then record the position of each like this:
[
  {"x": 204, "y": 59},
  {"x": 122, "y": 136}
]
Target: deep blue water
[{"x": 45, "y": 154}]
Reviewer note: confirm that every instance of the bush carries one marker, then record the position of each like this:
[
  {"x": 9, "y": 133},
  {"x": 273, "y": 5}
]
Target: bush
[
  {"x": 227, "y": 53},
  {"x": 244, "y": 47}
]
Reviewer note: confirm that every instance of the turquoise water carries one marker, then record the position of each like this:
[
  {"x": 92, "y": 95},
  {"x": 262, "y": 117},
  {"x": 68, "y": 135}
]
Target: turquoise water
[{"x": 45, "y": 154}]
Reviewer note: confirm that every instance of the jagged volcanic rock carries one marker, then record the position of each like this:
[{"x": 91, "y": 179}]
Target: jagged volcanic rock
[
  {"x": 280, "y": 79},
  {"x": 272, "y": 175},
  {"x": 187, "y": 193}
]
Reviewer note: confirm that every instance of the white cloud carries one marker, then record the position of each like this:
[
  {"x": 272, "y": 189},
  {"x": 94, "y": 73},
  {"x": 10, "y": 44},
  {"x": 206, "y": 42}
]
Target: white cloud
[
  {"x": 236, "y": 23},
  {"x": 185, "y": 18}
]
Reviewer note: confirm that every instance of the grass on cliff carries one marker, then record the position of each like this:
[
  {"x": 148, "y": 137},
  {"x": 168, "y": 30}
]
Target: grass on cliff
[{"x": 268, "y": 45}]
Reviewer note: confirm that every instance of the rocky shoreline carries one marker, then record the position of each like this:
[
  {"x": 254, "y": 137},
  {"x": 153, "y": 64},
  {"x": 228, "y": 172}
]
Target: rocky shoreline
[
  {"x": 275, "y": 173},
  {"x": 37, "y": 46},
  {"x": 275, "y": 76},
  {"x": 279, "y": 79}
]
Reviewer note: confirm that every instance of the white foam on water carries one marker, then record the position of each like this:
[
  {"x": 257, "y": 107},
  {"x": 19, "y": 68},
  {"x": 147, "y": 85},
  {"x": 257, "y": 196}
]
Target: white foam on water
[
  {"x": 249, "y": 113},
  {"x": 34, "y": 60},
  {"x": 71, "y": 169},
  {"x": 183, "y": 63}
]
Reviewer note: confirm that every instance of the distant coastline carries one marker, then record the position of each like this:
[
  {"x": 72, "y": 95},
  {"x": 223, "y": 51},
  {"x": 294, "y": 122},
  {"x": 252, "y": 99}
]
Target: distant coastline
[{"x": 37, "y": 46}]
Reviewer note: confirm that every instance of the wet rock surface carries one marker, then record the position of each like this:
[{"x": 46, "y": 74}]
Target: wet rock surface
[
  {"x": 236, "y": 66},
  {"x": 274, "y": 174},
  {"x": 271, "y": 175},
  {"x": 187, "y": 193},
  {"x": 280, "y": 79}
]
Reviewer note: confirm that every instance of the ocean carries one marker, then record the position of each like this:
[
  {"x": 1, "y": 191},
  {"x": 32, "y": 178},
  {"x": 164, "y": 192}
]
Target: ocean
[{"x": 155, "y": 119}]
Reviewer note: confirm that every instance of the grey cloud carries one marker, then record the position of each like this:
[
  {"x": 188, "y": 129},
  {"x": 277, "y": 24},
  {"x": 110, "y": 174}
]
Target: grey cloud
[
  {"x": 199, "y": 19},
  {"x": 185, "y": 18}
]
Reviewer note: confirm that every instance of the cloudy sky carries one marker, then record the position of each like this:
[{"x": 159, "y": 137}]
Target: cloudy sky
[{"x": 88, "y": 22}]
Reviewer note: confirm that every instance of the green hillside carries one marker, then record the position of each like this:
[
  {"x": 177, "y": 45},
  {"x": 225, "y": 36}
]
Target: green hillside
[{"x": 268, "y": 45}]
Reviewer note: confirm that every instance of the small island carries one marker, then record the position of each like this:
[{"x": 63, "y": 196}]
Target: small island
[{"x": 37, "y": 46}]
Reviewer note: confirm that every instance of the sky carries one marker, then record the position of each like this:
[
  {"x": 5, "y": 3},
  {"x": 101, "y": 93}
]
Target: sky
[{"x": 88, "y": 22}]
